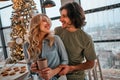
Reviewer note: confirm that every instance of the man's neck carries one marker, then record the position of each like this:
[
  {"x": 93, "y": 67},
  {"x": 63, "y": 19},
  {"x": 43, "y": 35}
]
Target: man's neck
[{"x": 71, "y": 29}]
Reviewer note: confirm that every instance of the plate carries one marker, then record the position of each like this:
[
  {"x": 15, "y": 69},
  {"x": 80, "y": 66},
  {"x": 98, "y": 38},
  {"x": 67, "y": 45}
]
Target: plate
[{"x": 17, "y": 75}]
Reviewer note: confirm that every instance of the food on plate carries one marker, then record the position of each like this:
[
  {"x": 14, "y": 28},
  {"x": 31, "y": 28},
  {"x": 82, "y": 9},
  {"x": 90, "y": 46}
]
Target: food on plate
[
  {"x": 8, "y": 69},
  {"x": 16, "y": 69},
  {"x": 4, "y": 73},
  {"x": 12, "y": 73},
  {"x": 22, "y": 67},
  {"x": 22, "y": 71}
]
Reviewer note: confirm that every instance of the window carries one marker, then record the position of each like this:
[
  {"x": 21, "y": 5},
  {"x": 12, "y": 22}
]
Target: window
[
  {"x": 103, "y": 26},
  {"x": 5, "y": 16},
  {"x": 7, "y": 35},
  {"x": 55, "y": 23},
  {"x": 1, "y": 55},
  {"x": 91, "y": 4},
  {"x": 54, "y": 11},
  {"x": 5, "y": 3},
  {"x": 0, "y": 41}
]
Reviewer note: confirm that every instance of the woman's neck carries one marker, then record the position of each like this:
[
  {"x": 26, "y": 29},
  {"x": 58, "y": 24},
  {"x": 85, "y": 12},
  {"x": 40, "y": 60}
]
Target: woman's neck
[{"x": 42, "y": 36}]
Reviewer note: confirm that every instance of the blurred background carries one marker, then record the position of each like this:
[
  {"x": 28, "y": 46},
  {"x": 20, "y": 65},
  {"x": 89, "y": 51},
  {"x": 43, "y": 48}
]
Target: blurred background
[{"x": 103, "y": 24}]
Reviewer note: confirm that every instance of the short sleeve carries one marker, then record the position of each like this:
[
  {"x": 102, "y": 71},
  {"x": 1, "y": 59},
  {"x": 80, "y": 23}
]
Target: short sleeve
[{"x": 89, "y": 51}]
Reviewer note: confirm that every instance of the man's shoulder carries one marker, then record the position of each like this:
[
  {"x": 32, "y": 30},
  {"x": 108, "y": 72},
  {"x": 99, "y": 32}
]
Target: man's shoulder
[
  {"x": 85, "y": 34},
  {"x": 58, "y": 28}
]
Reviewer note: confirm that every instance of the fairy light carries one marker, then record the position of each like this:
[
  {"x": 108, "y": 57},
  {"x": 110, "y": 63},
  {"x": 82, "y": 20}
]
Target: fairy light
[{"x": 23, "y": 10}]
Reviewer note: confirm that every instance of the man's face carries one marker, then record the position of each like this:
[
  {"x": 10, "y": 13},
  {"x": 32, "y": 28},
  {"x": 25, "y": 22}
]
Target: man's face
[{"x": 64, "y": 19}]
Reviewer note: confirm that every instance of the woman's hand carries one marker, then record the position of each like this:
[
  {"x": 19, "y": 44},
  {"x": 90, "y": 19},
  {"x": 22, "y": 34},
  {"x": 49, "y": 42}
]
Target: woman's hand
[
  {"x": 34, "y": 67},
  {"x": 46, "y": 73}
]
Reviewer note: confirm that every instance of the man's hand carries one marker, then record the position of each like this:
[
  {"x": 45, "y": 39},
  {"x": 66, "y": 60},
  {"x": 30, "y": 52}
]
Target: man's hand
[{"x": 65, "y": 69}]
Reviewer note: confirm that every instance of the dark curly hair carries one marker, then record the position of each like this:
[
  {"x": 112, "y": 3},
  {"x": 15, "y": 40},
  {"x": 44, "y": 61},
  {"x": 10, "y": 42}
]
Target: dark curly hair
[{"x": 75, "y": 14}]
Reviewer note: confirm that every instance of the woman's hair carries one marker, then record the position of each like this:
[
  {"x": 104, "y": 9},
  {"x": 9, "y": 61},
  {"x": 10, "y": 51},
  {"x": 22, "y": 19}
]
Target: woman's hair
[
  {"x": 75, "y": 14},
  {"x": 34, "y": 33}
]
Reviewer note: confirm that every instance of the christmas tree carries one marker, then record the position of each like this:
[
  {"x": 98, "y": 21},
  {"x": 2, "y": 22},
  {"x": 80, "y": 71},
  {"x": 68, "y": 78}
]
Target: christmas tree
[{"x": 23, "y": 10}]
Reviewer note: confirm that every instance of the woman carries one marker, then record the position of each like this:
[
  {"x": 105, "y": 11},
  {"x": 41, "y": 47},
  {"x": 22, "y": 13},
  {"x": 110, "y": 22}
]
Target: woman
[
  {"x": 42, "y": 44},
  {"x": 78, "y": 44}
]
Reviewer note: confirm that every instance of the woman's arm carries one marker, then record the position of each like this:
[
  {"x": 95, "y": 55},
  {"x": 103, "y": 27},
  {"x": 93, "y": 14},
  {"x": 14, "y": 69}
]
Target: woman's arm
[
  {"x": 61, "y": 50},
  {"x": 48, "y": 73}
]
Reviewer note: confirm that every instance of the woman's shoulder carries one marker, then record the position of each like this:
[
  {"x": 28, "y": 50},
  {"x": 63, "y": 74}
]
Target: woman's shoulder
[
  {"x": 56, "y": 37},
  {"x": 52, "y": 36}
]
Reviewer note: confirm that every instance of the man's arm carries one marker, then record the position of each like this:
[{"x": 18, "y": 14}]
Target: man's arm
[{"x": 84, "y": 66}]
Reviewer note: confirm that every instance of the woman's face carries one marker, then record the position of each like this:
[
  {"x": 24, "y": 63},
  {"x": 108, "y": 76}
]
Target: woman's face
[
  {"x": 64, "y": 19},
  {"x": 45, "y": 25}
]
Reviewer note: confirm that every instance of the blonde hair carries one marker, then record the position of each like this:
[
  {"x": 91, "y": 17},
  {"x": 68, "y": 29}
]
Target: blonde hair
[{"x": 34, "y": 33}]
